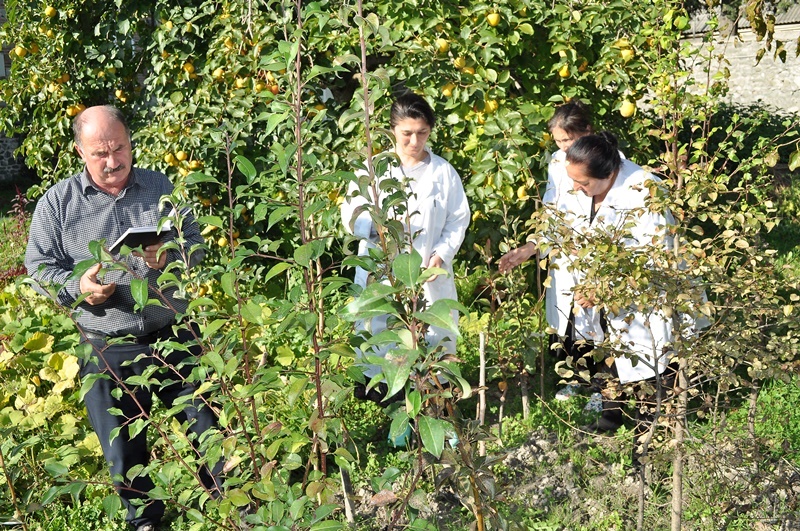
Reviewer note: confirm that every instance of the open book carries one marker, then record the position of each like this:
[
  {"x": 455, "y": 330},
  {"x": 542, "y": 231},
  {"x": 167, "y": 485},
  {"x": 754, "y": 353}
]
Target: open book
[{"x": 140, "y": 237}]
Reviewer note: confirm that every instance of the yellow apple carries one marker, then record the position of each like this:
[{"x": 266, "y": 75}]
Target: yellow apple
[
  {"x": 188, "y": 67},
  {"x": 241, "y": 82},
  {"x": 50, "y": 11},
  {"x": 442, "y": 45},
  {"x": 169, "y": 158},
  {"x": 168, "y": 25},
  {"x": 20, "y": 51},
  {"x": 622, "y": 43},
  {"x": 459, "y": 62},
  {"x": 218, "y": 74},
  {"x": 181, "y": 155},
  {"x": 490, "y": 106},
  {"x": 563, "y": 72},
  {"x": 493, "y": 19},
  {"x": 468, "y": 70},
  {"x": 447, "y": 90},
  {"x": 627, "y": 109},
  {"x": 627, "y": 54}
]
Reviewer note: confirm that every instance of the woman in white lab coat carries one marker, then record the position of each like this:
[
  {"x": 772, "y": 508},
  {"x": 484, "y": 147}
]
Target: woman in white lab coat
[
  {"x": 438, "y": 208},
  {"x": 611, "y": 199},
  {"x": 570, "y": 122}
]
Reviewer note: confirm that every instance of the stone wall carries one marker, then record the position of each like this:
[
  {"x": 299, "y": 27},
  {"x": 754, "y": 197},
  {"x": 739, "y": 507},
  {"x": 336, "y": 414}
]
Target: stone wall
[
  {"x": 771, "y": 82},
  {"x": 11, "y": 167}
]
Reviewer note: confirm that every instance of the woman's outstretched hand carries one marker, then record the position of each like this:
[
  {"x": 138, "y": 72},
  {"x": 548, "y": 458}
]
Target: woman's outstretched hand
[{"x": 512, "y": 259}]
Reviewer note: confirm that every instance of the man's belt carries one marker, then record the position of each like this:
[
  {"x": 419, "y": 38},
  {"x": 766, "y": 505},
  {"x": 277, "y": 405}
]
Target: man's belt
[{"x": 146, "y": 339}]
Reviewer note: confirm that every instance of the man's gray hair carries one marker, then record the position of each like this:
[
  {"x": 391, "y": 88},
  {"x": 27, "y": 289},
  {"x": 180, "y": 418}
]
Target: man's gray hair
[{"x": 112, "y": 112}]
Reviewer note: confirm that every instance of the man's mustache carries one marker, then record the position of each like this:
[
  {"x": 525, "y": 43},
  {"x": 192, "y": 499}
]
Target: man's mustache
[{"x": 112, "y": 170}]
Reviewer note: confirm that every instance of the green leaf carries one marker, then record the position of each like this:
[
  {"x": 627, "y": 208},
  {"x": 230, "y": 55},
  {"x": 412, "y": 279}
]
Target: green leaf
[
  {"x": 213, "y": 359},
  {"x": 371, "y": 303},
  {"x": 407, "y": 267},
  {"x": 51, "y": 494},
  {"x": 413, "y": 403},
  {"x": 279, "y": 214},
  {"x": 238, "y": 497},
  {"x": 212, "y": 327},
  {"x": 327, "y": 525},
  {"x": 397, "y": 369},
  {"x": 215, "y": 221},
  {"x": 88, "y": 382},
  {"x": 439, "y": 315},
  {"x": 276, "y": 270},
  {"x": 192, "y": 514},
  {"x": 197, "y": 178},
  {"x": 246, "y": 167},
  {"x": 308, "y": 252},
  {"x": 226, "y": 281},
  {"x": 56, "y": 469},
  {"x": 111, "y": 505},
  {"x": 139, "y": 293},
  {"x": 252, "y": 313},
  {"x": 399, "y": 425},
  {"x": 432, "y": 432},
  {"x": 794, "y": 160},
  {"x": 81, "y": 268}
]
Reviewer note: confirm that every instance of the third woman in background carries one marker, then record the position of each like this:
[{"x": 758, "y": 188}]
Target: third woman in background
[{"x": 567, "y": 320}]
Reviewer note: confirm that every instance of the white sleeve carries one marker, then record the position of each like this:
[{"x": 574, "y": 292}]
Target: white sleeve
[{"x": 457, "y": 220}]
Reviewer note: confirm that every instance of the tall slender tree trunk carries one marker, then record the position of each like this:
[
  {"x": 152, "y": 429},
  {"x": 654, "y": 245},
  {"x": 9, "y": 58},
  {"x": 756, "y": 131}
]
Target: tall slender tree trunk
[
  {"x": 678, "y": 459},
  {"x": 482, "y": 392},
  {"x": 523, "y": 389}
]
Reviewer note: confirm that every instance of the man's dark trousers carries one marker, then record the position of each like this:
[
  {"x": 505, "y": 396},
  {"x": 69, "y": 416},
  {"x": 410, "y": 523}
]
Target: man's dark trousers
[{"x": 118, "y": 362}]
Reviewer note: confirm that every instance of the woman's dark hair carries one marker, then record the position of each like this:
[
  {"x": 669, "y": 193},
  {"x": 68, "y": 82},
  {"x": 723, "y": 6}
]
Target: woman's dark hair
[
  {"x": 412, "y": 106},
  {"x": 599, "y": 153},
  {"x": 575, "y": 118}
]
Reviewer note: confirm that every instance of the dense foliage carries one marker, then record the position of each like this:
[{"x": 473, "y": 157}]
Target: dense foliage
[{"x": 261, "y": 111}]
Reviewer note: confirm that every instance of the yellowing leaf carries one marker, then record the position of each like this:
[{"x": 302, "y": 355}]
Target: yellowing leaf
[
  {"x": 787, "y": 310},
  {"x": 284, "y": 355},
  {"x": 70, "y": 367},
  {"x": 39, "y": 342}
]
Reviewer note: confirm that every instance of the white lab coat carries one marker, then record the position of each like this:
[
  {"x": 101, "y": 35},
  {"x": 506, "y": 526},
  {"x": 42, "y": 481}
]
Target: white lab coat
[
  {"x": 647, "y": 333},
  {"x": 438, "y": 224}
]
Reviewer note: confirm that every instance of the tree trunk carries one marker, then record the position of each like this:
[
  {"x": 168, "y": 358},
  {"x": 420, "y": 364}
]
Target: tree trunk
[
  {"x": 751, "y": 410},
  {"x": 680, "y": 437},
  {"x": 523, "y": 389},
  {"x": 482, "y": 392}
]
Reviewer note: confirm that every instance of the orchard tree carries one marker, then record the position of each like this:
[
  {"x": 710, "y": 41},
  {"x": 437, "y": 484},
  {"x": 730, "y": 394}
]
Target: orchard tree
[{"x": 260, "y": 112}]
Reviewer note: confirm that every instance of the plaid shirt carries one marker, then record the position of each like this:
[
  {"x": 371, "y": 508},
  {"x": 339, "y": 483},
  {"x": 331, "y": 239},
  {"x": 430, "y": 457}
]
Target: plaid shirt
[{"x": 75, "y": 212}]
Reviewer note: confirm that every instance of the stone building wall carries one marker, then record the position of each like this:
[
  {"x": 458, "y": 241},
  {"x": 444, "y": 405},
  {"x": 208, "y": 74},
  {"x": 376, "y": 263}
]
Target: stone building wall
[
  {"x": 771, "y": 82},
  {"x": 11, "y": 168}
]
